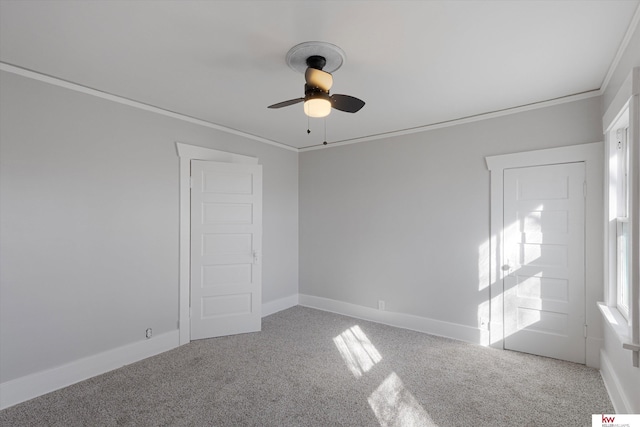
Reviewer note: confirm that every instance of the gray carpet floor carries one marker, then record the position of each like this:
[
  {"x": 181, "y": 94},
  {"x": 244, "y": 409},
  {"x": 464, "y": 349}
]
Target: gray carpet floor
[{"x": 312, "y": 368}]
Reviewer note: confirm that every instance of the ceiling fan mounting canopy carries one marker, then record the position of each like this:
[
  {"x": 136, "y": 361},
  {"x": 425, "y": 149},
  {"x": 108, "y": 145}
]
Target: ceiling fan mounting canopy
[{"x": 297, "y": 56}]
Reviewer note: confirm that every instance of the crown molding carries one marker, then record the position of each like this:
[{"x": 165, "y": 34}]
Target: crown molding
[
  {"x": 425, "y": 128},
  {"x": 633, "y": 25},
  {"x": 135, "y": 104},
  {"x": 460, "y": 121}
]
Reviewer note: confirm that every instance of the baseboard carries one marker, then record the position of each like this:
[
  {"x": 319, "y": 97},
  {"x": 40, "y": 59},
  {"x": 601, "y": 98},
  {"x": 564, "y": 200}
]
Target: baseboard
[
  {"x": 275, "y": 306},
  {"x": 34, "y": 385},
  {"x": 613, "y": 386},
  {"x": 594, "y": 345},
  {"x": 407, "y": 321}
]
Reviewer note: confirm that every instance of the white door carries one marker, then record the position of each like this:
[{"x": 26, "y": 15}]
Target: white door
[
  {"x": 226, "y": 240},
  {"x": 544, "y": 291}
]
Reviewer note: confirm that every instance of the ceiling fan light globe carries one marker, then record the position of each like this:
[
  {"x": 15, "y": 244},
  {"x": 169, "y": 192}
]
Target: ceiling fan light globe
[{"x": 317, "y": 107}]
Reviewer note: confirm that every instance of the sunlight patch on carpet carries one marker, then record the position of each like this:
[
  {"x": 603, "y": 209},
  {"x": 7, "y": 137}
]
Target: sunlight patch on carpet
[
  {"x": 357, "y": 351},
  {"x": 394, "y": 405}
]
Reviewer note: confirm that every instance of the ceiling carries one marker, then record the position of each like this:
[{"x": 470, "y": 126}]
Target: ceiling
[{"x": 415, "y": 63}]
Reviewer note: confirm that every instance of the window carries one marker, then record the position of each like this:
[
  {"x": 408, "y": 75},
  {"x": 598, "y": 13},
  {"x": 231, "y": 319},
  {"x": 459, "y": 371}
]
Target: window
[
  {"x": 619, "y": 214},
  {"x": 623, "y": 237},
  {"x": 621, "y": 308}
]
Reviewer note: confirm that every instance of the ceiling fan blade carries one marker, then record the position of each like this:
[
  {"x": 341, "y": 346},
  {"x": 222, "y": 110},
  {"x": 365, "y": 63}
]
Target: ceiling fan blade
[
  {"x": 286, "y": 103},
  {"x": 318, "y": 78},
  {"x": 346, "y": 103}
]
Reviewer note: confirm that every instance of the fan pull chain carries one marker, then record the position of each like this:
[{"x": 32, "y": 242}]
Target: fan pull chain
[
  {"x": 325, "y": 131},
  {"x": 308, "y": 126}
]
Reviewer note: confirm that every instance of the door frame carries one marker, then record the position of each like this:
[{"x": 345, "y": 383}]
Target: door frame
[
  {"x": 592, "y": 155},
  {"x": 188, "y": 152}
]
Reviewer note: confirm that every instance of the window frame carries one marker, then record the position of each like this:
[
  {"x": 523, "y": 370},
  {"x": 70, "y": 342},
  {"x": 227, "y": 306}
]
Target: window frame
[
  {"x": 620, "y": 139},
  {"x": 627, "y": 330},
  {"x": 618, "y": 210}
]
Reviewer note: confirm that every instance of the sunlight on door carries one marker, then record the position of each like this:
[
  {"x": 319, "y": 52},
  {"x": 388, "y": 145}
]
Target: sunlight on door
[
  {"x": 529, "y": 287},
  {"x": 522, "y": 252}
]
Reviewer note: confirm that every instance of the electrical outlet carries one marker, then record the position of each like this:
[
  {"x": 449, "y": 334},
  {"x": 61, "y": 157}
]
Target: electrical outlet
[
  {"x": 149, "y": 333},
  {"x": 380, "y": 305}
]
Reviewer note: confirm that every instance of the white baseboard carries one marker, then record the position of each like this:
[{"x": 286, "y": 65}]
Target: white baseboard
[
  {"x": 275, "y": 306},
  {"x": 34, "y": 385},
  {"x": 613, "y": 386},
  {"x": 400, "y": 320}
]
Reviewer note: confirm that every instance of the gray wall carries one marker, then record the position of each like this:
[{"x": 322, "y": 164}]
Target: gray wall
[
  {"x": 406, "y": 219},
  {"x": 89, "y": 208}
]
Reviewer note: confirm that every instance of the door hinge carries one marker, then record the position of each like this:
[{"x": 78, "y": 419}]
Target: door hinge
[
  {"x": 584, "y": 189},
  {"x": 585, "y": 331}
]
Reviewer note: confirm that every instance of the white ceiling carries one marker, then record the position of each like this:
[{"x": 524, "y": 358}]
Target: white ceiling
[{"x": 415, "y": 63}]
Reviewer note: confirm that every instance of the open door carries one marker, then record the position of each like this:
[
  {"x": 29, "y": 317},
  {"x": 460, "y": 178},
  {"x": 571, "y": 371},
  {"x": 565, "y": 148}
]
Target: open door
[{"x": 226, "y": 243}]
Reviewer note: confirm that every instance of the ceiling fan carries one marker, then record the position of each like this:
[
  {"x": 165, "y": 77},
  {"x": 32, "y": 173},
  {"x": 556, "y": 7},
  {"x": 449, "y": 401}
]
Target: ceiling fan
[{"x": 317, "y": 100}]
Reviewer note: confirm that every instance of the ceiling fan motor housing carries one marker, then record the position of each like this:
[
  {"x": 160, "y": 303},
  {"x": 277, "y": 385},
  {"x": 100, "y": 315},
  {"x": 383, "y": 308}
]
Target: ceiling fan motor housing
[{"x": 314, "y": 92}]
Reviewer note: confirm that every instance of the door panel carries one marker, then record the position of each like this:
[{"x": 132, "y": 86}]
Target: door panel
[
  {"x": 226, "y": 241},
  {"x": 544, "y": 291}
]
